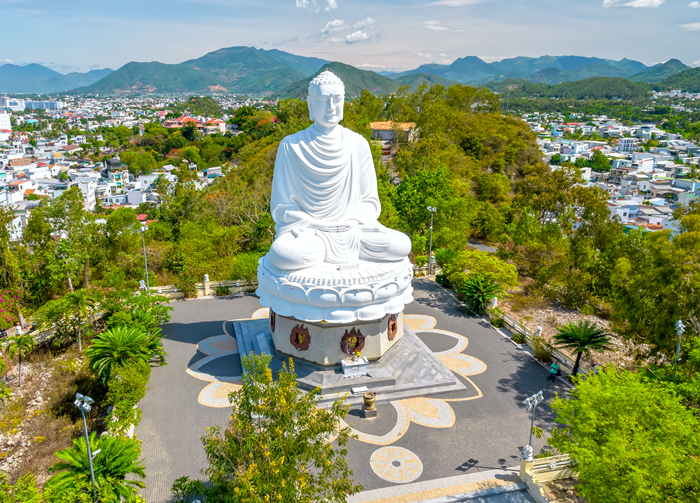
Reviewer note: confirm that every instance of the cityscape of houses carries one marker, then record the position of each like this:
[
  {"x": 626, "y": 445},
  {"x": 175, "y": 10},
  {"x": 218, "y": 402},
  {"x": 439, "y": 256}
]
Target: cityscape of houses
[{"x": 645, "y": 183}]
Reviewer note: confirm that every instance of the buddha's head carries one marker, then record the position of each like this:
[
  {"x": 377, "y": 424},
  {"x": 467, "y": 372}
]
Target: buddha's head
[{"x": 326, "y": 100}]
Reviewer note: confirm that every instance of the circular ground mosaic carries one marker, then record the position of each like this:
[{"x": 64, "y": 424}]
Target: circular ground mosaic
[{"x": 396, "y": 464}]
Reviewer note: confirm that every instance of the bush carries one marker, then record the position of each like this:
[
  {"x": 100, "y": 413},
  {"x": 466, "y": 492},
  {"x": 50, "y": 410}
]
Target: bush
[
  {"x": 222, "y": 291},
  {"x": 9, "y": 309},
  {"x": 479, "y": 290},
  {"x": 496, "y": 317},
  {"x": 518, "y": 338},
  {"x": 245, "y": 267},
  {"x": 588, "y": 309},
  {"x": 421, "y": 260},
  {"x": 126, "y": 388},
  {"x": 186, "y": 282},
  {"x": 542, "y": 349}
]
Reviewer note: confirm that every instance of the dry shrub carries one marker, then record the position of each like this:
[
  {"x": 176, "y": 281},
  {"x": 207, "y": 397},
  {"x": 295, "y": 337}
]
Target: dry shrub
[
  {"x": 528, "y": 299},
  {"x": 542, "y": 349}
]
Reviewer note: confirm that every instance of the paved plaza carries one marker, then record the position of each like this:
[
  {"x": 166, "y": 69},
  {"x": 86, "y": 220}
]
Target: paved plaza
[{"x": 418, "y": 449}]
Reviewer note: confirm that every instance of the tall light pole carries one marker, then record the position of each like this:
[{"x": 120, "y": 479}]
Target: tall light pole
[
  {"x": 142, "y": 230},
  {"x": 680, "y": 328},
  {"x": 432, "y": 210},
  {"x": 83, "y": 404},
  {"x": 531, "y": 403}
]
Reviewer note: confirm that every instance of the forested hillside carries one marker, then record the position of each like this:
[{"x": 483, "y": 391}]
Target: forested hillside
[{"x": 593, "y": 88}]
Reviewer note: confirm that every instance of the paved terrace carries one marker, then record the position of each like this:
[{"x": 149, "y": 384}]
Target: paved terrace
[{"x": 416, "y": 450}]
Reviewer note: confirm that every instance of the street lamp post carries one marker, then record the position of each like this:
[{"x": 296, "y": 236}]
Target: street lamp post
[
  {"x": 680, "y": 328},
  {"x": 531, "y": 403},
  {"x": 142, "y": 230},
  {"x": 83, "y": 404},
  {"x": 432, "y": 210}
]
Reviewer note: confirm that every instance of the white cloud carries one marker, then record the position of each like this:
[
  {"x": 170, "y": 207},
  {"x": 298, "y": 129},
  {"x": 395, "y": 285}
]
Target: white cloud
[
  {"x": 425, "y": 55},
  {"x": 691, "y": 27},
  {"x": 435, "y": 26},
  {"x": 635, "y": 4},
  {"x": 333, "y": 27},
  {"x": 367, "y": 23},
  {"x": 358, "y": 36},
  {"x": 696, "y": 63},
  {"x": 456, "y": 3},
  {"x": 694, "y": 5},
  {"x": 314, "y": 5}
]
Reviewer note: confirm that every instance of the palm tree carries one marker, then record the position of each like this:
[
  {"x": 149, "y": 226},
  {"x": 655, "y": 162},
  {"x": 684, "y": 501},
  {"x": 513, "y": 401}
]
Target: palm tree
[
  {"x": 479, "y": 290},
  {"x": 444, "y": 256},
  {"x": 117, "y": 345},
  {"x": 79, "y": 302},
  {"x": 582, "y": 337},
  {"x": 19, "y": 345},
  {"x": 117, "y": 459}
]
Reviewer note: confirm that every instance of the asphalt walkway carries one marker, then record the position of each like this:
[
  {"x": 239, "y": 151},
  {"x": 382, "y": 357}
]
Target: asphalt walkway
[{"x": 489, "y": 423}]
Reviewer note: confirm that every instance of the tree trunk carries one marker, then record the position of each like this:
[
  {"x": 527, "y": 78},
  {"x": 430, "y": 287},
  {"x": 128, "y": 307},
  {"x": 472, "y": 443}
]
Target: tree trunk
[
  {"x": 70, "y": 285},
  {"x": 578, "y": 360},
  {"x": 80, "y": 345},
  {"x": 86, "y": 273},
  {"x": 22, "y": 323},
  {"x": 20, "y": 369}
]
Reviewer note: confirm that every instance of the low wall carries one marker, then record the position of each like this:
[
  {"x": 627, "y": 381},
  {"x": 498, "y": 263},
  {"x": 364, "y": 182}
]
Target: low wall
[
  {"x": 205, "y": 289},
  {"x": 516, "y": 326},
  {"x": 541, "y": 470}
]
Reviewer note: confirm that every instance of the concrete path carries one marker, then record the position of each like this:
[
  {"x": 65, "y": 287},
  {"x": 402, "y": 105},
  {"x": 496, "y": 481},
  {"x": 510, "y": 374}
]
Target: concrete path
[{"x": 464, "y": 433}]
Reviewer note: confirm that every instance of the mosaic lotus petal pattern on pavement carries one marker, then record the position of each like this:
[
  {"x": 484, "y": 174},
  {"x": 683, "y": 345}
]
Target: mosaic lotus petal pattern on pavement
[{"x": 396, "y": 464}]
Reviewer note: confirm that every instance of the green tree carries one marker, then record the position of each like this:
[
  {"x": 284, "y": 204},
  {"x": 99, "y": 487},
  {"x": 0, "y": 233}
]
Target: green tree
[
  {"x": 277, "y": 444},
  {"x": 444, "y": 256},
  {"x": 116, "y": 466},
  {"x": 581, "y": 337},
  {"x": 633, "y": 441},
  {"x": 19, "y": 345},
  {"x": 115, "y": 346}
]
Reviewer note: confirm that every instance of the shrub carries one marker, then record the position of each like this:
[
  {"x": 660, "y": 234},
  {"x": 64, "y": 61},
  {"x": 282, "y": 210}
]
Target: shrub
[
  {"x": 421, "y": 260},
  {"x": 588, "y": 309},
  {"x": 496, "y": 317},
  {"x": 471, "y": 262},
  {"x": 542, "y": 349},
  {"x": 126, "y": 388},
  {"x": 478, "y": 290},
  {"x": 186, "y": 282},
  {"x": 245, "y": 267},
  {"x": 222, "y": 291},
  {"x": 9, "y": 310},
  {"x": 518, "y": 338},
  {"x": 118, "y": 459},
  {"x": 444, "y": 256},
  {"x": 118, "y": 345}
]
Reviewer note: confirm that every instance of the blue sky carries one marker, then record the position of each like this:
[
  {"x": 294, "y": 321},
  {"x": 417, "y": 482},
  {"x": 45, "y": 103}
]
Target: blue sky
[{"x": 380, "y": 35}]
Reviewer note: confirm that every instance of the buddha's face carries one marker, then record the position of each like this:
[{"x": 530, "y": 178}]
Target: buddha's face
[{"x": 326, "y": 105}]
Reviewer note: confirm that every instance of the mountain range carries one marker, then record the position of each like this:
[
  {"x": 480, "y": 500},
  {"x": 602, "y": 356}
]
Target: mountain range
[
  {"x": 251, "y": 71},
  {"x": 36, "y": 78}
]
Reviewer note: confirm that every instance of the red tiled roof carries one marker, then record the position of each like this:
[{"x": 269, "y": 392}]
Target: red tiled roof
[{"x": 142, "y": 216}]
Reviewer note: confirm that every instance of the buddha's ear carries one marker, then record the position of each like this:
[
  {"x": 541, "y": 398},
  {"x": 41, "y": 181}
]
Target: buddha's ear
[{"x": 311, "y": 109}]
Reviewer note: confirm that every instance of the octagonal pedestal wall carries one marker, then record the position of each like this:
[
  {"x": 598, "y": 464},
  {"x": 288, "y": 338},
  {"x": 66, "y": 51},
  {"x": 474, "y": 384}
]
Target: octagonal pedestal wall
[{"x": 323, "y": 343}]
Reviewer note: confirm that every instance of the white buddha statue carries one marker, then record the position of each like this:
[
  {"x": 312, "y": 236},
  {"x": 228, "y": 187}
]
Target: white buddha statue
[{"x": 324, "y": 192}]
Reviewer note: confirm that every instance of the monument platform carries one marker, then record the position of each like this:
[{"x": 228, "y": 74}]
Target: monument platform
[
  {"x": 334, "y": 293},
  {"x": 408, "y": 369}
]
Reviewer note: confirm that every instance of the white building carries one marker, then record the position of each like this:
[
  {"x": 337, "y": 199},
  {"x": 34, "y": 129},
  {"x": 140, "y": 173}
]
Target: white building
[
  {"x": 5, "y": 123},
  {"x": 627, "y": 145}
]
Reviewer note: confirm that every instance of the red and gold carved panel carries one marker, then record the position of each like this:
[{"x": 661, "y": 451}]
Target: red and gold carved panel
[
  {"x": 393, "y": 327},
  {"x": 300, "y": 338},
  {"x": 352, "y": 342}
]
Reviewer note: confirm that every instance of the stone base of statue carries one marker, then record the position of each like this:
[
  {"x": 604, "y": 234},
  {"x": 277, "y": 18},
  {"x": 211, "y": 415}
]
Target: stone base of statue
[
  {"x": 324, "y": 315},
  {"x": 407, "y": 369}
]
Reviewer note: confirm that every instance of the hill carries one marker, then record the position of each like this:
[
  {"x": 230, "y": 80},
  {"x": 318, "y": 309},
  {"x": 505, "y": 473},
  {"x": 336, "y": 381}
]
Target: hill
[
  {"x": 415, "y": 80},
  {"x": 355, "y": 81},
  {"x": 242, "y": 70},
  {"x": 545, "y": 69},
  {"x": 660, "y": 71},
  {"x": 593, "y": 88},
  {"x": 687, "y": 80},
  {"x": 36, "y": 78},
  {"x": 305, "y": 65}
]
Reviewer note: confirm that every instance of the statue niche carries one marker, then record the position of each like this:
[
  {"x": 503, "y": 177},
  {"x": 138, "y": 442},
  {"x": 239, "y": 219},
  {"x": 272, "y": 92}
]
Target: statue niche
[
  {"x": 393, "y": 327},
  {"x": 352, "y": 342},
  {"x": 300, "y": 338}
]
